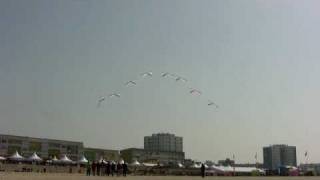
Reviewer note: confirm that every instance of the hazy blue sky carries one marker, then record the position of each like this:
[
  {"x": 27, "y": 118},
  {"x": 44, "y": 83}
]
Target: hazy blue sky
[{"x": 259, "y": 60}]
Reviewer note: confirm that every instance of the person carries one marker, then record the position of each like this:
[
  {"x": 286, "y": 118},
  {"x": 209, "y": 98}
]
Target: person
[
  {"x": 88, "y": 169},
  {"x": 125, "y": 169},
  {"x": 203, "y": 169},
  {"x": 113, "y": 168},
  {"x": 102, "y": 168},
  {"x": 94, "y": 166},
  {"x": 108, "y": 166},
  {"x": 98, "y": 168},
  {"x": 119, "y": 168}
]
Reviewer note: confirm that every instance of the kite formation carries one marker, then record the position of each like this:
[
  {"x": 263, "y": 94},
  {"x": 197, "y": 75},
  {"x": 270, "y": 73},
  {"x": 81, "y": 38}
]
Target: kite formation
[{"x": 149, "y": 74}]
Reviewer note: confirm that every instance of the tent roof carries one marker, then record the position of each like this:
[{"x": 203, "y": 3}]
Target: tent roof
[
  {"x": 83, "y": 160},
  {"x": 16, "y": 157},
  {"x": 64, "y": 159},
  {"x": 2, "y": 158},
  {"x": 135, "y": 163},
  {"x": 195, "y": 165},
  {"x": 101, "y": 160},
  {"x": 236, "y": 169},
  {"x": 34, "y": 157},
  {"x": 54, "y": 158},
  {"x": 149, "y": 164}
]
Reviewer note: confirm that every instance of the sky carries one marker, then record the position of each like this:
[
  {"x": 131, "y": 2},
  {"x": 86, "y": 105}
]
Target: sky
[{"x": 258, "y": 60}]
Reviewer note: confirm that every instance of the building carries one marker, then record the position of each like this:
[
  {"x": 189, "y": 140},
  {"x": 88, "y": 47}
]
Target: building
[
  {"x": 164, "y": 157},
  {"x": 159, "y": 148},
  {"x": 45, "y": 148},
  {"x": 275, "y": 156},
  {"x": 132, "y": 154},
  {"x": 163, "y": 142},
  {"x": 94, "y": 154},
  {"x": 142, "y": 155}
]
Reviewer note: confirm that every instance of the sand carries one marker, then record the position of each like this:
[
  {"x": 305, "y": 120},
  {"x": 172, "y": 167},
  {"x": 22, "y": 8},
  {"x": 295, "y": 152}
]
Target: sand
[{"x": 35, "y": 176}]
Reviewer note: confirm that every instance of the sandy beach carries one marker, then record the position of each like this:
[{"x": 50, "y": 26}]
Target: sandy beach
[{"x": 35, "y": 176}]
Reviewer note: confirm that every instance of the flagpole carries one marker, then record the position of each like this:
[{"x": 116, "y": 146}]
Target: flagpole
[
  {"x": 256, "y": 158},
  {"x": 234, "y": 164},
  {"x": 306, "y": 155}
]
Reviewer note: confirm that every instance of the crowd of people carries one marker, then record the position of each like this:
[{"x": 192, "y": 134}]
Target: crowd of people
[{"x": 106, "y": 169}]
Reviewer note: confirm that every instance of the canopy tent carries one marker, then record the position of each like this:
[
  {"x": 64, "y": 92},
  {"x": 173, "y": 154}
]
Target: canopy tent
[
  {"x": 83, "y": 160},
  {"x": 195, "y": 165},
  {"x": 180, "y": 165},
  {"x": 135, "y": 163},
  {"x": 149, "y": 164},
  {"x": 53, "y": 160},
  {"x": 121, "y": 162},
  {"x": 35, "y": 158},
  {"x": 16, "y": 157},
  {"x": 222, "y": 169},
  {"x": 225, "y": 169},
  {"x": 2, "y": 158},
  {"x": 65, "y": 160},
  {"x": 101, "y": 160}
]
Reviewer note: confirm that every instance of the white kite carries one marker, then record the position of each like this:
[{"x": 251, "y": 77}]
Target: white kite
[
  {"x": 130, "y": 83},
  {"x": 114, "y": 95},
  {"x": 181, "y": 79},
  {"x": 100, "y": 100},
  {"x": 146, "y": 74},
  {"x": 166, "y": 74},
  {"x": 194, "y": 91},
  {"x": 211, "y": 103}
]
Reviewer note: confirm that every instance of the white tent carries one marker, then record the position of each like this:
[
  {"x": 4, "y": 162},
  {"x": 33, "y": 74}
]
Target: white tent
[
  {"x": 149, "y": 164},
  {"x": 195, "y": 165},
  {"x": 101, "y": 160},
  {"x": 135, "y": 163},
  {"x": 105, "y": 162},
  {"x": 16, "y": 157},
  {"x": 2, "y": 158},
  {"x": 121, "y": 162},
  {"x": 180, "y": 165},
  {"x": 83, "y": 160},
  {"x": 235, "y": 169},
  {"x": 53, "y": 160},
  {"x": 34, "y": 157},
  {"x": 65, "y": 160}
]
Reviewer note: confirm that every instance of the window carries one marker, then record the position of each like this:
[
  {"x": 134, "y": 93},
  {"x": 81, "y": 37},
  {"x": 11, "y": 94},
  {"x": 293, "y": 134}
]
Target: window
[
  {"x": 13, "y": 149},
  {"x": 14, "y": 141},
  {"x": 54, "y": 152},
  {"x": 54, "y": 145},
  {"x": 34, "y": 146}
]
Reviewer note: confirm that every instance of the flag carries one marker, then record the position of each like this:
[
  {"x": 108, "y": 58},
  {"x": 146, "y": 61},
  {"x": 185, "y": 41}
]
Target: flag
[
  {"x": 306, "y": 154},
  {"x": 256, "y": 156},
  {"x": 233, "y": 157}
]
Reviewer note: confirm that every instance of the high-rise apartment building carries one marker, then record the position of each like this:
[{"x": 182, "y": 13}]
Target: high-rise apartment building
[
  {"x": 163, "y": 142},
  {"x": 275, "y": 156}
]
